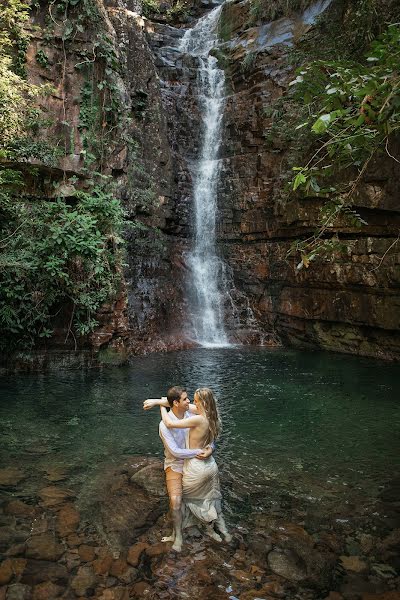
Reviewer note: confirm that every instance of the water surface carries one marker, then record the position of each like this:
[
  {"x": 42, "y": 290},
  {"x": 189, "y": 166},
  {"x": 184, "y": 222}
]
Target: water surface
[{"x": 314, "y": 425}]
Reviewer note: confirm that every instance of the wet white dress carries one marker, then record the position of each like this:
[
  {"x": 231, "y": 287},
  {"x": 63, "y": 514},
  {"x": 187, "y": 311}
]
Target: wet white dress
[{"x": 201, "y": 490}]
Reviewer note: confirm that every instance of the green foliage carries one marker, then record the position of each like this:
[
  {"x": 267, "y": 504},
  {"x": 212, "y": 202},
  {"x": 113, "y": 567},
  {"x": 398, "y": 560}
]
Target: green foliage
[
  {"x": 17, "y": 116},
  {"x": 52, "y": 254},
  {"x": 42, "y": 59},
  {"x": 249, "y": 61},
  {"x": 13, "y": 38},
  {"x": 150, "y": 7},
  {"x": 354, "y": 110},
  {"x": 178, "y": 10},
  {"x": 270, "y": 10},
  {"x": 90, "y": 122}
]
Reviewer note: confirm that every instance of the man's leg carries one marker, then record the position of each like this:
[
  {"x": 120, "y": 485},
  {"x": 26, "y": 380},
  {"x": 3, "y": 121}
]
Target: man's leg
[{"x": 174, "y": 487}]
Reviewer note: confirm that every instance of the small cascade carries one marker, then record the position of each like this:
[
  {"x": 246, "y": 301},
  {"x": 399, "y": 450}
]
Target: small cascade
[{"x": 207, "y": 269}]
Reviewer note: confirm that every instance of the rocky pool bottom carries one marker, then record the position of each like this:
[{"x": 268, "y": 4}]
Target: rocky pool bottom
[{"x": 308, "y": 466}]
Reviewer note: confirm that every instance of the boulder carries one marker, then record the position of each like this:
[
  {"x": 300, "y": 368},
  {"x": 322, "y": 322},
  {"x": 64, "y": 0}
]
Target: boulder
[
  {"x": 19, "y": 591},
  {"x": 84, "y": 582},
  {"x": 121, "y": 508},
  {"x": 152, "y": 479},
  {"x": 296, "y": 558}
]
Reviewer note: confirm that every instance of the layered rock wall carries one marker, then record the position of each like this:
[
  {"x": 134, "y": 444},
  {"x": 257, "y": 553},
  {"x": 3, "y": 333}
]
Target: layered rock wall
[
  {"x": 107, "y": 65},
  {"x": 350, "y": 304}
]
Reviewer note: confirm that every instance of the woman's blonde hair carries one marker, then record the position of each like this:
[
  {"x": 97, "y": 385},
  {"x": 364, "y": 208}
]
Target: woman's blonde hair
[{"x": 207, "y": 400}]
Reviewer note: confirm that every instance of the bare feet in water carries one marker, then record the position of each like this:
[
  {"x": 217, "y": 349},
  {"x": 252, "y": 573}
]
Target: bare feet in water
[
  {"x": 177, "y": 545},
  {"x": 213, "y": 534}
]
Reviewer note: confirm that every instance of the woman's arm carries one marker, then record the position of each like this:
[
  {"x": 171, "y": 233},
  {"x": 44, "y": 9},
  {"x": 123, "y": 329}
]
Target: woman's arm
[{"x": 180, "y": 423}]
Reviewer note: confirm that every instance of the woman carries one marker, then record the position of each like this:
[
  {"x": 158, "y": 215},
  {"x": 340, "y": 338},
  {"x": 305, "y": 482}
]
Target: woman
[{"x": 201, "y": 490}]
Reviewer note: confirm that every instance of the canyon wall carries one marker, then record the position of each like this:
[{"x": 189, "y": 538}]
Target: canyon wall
[
  {"x": 348, "y": 304},
  {"x": 97, "y": 60}
]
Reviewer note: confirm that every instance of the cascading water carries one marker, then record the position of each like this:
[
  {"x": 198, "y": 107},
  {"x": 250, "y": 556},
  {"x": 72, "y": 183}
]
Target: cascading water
[{"x": 207, "y": 269}]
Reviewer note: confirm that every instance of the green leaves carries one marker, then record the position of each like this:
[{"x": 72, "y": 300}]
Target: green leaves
[
  {"x": 353, "y": 108},
  {"x": 55, "y": 254},
  {"x": 322, "y": 123},
  {"x": 298, "y": 180}
]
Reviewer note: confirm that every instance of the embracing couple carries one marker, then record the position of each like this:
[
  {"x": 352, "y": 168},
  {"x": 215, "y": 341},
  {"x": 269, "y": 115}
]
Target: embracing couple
[{"x": 188, "y": 432}]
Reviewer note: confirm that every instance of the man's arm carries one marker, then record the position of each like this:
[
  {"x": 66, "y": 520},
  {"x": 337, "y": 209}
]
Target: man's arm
[
  {"x": 177, "y": 452},
  {"x": 151, "y": 402}
]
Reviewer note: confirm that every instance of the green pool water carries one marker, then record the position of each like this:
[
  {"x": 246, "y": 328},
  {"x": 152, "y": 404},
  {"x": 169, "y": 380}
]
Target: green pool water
[{"x": 313, "y": 425}]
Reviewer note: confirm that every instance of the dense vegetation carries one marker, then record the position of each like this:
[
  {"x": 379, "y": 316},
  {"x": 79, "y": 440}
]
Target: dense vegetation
[
  {"x": 340, "y": 113},
  {"x": 58, "y": 254},
  {"x": 354, "y": 111}
]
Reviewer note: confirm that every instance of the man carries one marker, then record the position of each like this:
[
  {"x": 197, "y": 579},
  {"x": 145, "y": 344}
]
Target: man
[{"x": 175, "y": 453}]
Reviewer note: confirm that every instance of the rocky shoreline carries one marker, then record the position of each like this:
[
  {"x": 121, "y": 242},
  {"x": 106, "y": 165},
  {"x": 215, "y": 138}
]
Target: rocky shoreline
[{"x": 103, "y": 541}]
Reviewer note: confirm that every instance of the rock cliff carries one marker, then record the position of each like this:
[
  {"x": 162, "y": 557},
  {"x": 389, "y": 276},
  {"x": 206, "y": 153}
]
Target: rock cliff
[
  {"x": 348, "y": 304},
  {"x": 129, "y": 65}
]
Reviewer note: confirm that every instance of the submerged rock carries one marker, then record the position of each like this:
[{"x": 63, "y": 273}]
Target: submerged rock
[
  {"x": 152, "y": 479},
  {"x": 84, "y": 581},
  {"x": 121, "y": 508},
  {"x": 67, "y": 520},
  {"x": 353, "y": 563},
  {"x": 53, "y": 496},
  {"x": 19, "y": 591},
  {"x": 46, "y": 591},
  {"x": 19, "y": 509},
  {"x": 287, "y": 564},
  {"x": 11, "y": 476},
  {"x": 38, "y": 571},
  {"x": 44, "y": 547}
]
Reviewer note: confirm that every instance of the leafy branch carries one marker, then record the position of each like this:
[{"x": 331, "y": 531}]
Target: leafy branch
[{"x": 354, "y": 111}]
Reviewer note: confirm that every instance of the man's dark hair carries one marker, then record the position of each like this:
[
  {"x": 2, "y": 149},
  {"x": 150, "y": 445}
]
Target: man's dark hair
[{"x": 174, "y": 393}]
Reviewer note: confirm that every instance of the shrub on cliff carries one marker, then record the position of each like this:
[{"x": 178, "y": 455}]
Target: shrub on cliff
[
  {"x": 55, "y": 254},
  {"x": 354, "y": 113}
]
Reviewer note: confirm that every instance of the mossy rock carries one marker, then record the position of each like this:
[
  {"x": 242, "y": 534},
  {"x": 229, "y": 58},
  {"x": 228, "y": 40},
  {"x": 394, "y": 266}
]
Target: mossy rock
[{"x": 112, "y": 357}]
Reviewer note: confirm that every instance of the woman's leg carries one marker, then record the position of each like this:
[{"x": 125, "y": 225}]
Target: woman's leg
[{"x": 221, "y": 525}]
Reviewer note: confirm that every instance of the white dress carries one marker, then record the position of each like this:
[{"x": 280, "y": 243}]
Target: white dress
[{"x": 201, "y": 490}]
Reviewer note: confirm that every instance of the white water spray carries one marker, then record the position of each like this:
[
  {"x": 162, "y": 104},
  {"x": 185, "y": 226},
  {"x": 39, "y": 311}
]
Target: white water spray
[{"x": 207, "y": 269}]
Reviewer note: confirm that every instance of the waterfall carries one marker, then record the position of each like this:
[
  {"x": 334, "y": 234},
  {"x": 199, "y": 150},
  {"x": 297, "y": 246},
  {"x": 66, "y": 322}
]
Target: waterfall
[{"x": 206, "y": 268}]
